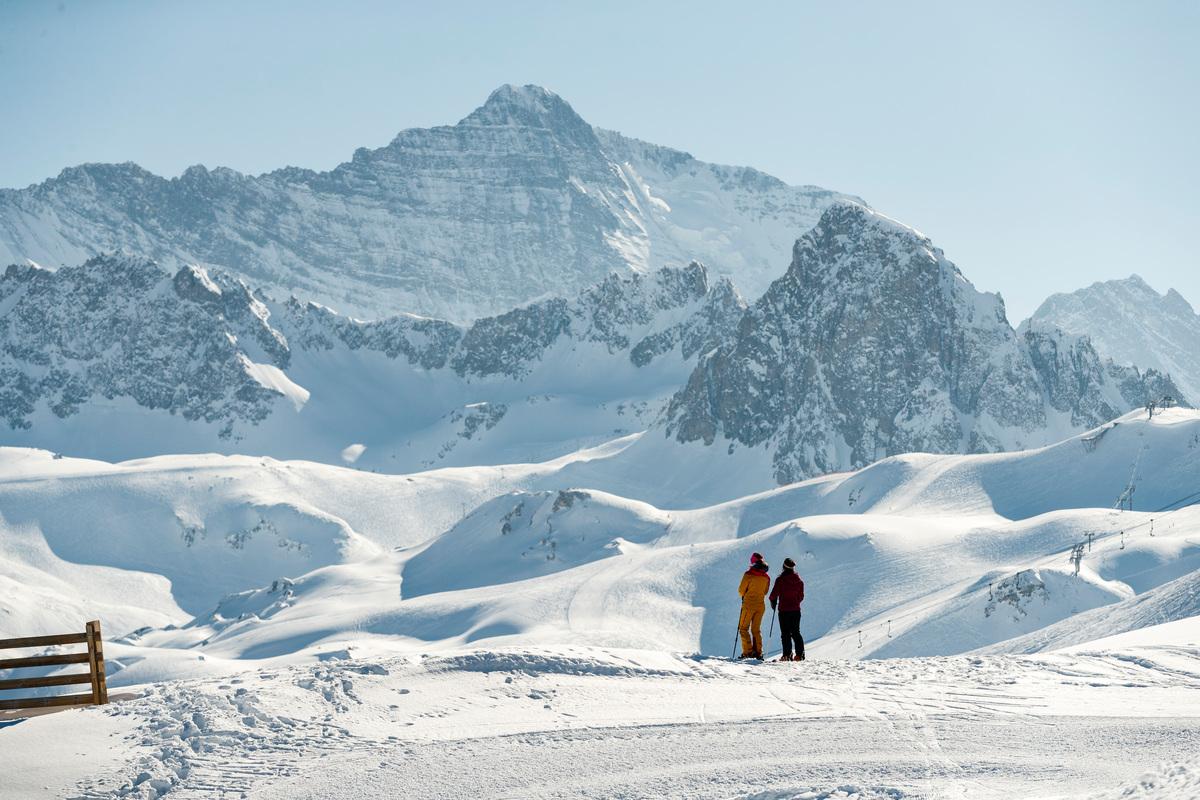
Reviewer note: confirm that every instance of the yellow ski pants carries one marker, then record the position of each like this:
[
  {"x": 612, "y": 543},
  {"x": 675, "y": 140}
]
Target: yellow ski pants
[{"x": 750, "y": 628}]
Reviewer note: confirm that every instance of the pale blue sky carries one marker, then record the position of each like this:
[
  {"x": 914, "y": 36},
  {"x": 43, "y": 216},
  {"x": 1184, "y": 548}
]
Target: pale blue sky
[{"x": 1043, "y": 145}]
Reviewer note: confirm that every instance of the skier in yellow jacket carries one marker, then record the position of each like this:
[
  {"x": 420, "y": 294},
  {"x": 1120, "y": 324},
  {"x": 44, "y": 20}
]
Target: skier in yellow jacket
[{"x": 753, "y": 589}]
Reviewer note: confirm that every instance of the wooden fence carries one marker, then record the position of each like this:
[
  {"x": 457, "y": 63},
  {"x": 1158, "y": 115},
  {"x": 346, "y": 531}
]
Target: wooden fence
[{"x": 94, "y": 658}]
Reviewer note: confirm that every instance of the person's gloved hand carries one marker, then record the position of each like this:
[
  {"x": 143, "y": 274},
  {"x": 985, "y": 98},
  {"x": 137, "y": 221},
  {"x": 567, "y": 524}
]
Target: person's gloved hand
[{"x": 772, "y": 605}]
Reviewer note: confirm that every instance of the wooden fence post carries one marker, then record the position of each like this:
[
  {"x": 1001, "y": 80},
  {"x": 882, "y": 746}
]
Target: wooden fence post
[
  {"x": 95, "y": 645},
  {"x": 94, "y": 658}
]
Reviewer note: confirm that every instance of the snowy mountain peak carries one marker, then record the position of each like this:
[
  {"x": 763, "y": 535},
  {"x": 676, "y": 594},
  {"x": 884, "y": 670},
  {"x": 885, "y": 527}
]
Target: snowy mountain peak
[
  {"x": 858, "y": 217},
  {"x": 1178, "y": 303},
  {"x": 856, "y": 244},
  {"x": 521, "y": 199},
  {"x": 1130, "y": 322},
  {"x": 525, "y": 106},
  {"x": 1135, "y": 280},
  {"x": 98, "y": 172}
]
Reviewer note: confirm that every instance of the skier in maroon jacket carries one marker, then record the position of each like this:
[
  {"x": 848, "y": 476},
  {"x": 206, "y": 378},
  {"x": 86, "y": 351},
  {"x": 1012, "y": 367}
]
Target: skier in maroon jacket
[{"x": 787, "y": 595}]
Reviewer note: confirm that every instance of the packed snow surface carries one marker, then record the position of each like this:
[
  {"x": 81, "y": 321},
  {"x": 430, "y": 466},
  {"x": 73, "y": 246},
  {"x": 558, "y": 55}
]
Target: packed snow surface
[{"x": 582, "y": 722}]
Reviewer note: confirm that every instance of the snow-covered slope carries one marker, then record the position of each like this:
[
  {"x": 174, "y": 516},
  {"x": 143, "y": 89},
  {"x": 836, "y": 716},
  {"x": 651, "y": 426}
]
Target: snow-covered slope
[
  {"x": 1172, "y": 601},
  {"x": 916, "y": 555},
  {"x": 519, "y": 199},
  {"x": 874, "y": 344},
  {"x": 290, "y": 629},
  {"x": 1131, "y": 323}
]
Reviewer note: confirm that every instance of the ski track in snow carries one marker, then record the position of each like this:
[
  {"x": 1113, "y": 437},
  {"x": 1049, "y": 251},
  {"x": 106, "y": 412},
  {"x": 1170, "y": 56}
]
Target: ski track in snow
[{"x": 585, "y": 722}]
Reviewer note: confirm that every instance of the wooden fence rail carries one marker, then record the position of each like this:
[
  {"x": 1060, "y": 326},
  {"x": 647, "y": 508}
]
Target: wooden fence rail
[{"x": 94, "y": 658}]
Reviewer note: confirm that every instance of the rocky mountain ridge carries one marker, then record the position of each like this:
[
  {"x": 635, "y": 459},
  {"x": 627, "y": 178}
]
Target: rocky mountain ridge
[
  {"x": 200, "y": 346},
  {"x": 871, "y": 344},
  {"x": 874, "y": 344},
  {"x": 1131, "y": 323},
  {"x": 520, "y": 199}
]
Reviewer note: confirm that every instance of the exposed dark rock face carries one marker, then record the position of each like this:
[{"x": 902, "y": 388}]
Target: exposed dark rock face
[
  {"x": 1079, "y": 382},
  {"x": 871, "y": 344},
  {"x": 122, "y": 327},
  {"x": 205, "y": 346},
  {"x": 874, "y": 344}
]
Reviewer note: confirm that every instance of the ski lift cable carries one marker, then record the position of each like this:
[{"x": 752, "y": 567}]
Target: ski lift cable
[
  {"x": 1098, "y": 537},
  {"x": 1167, "y": 507}
]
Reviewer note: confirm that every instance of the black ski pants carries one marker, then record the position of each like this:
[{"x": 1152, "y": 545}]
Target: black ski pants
[{"x": 789, "y": 630}]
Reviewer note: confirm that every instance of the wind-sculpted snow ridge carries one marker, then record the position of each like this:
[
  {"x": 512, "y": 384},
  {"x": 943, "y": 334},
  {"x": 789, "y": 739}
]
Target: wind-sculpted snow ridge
[
  {"x": 874, "y": 344},
  {"x": 227, "y": 566},
  {"x": 119, "y": 358},
  {"x": 540, "y": 528},
  {"x": 314, "y": 631},
  {"x": 167, "y": 541},
  {"x": 520, "y": 199},
  {"x": 1131, "y": 323}
]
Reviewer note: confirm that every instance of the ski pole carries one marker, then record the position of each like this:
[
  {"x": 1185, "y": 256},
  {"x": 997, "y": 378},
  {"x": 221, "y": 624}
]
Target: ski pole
[
  {"x": 737, "y": 631},
  {"x": 771, "y": 629},
  {"x": 733, "y": 652}
]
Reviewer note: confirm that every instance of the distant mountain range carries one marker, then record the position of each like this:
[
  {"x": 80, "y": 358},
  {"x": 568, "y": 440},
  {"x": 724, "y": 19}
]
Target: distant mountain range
[
  {"x": 520, "y": 199},
  {"x": 120, "y": 358},
  {"x": 1131, "y": 323},
  {"x": 870, "y": 344},
  {"x": 530, "y": 242}
]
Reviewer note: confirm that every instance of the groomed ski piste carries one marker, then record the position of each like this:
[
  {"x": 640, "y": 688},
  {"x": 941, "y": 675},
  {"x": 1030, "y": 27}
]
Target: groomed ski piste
[{"x": 292, "y": 630}]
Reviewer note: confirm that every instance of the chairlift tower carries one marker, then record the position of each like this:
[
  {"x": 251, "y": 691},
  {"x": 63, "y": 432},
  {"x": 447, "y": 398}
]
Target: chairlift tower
[
  {"x": 1125, "y": 500},
  {"x": 1076, "y": 557}
]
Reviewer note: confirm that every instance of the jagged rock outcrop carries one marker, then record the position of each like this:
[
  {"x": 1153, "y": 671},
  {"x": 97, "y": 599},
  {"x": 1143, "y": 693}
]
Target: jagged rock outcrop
[
  {"x": 874, "y": 344},
  {"x": 645, "y": 316},
  {"x": 1079, "y": 382},
  {"x": 520, "y": 199},
  {"x": 205, "y": 346},
  {"x": 123, "y": 328}
]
